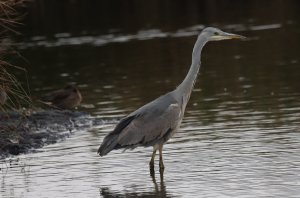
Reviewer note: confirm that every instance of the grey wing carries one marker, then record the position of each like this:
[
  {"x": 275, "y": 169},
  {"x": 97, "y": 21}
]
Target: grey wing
[
  {"x": 151, "y": 128},
  {"x": 145, "y": 127}
]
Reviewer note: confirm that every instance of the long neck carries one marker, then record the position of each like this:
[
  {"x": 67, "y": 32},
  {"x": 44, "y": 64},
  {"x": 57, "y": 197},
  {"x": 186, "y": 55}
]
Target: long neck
[{"x": 185, "y": 88}]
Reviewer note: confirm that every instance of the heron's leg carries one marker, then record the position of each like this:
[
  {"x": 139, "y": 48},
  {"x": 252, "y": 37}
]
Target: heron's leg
[
  {"x": 151, "y": 164},
  {"x": 161, "y": 163}
]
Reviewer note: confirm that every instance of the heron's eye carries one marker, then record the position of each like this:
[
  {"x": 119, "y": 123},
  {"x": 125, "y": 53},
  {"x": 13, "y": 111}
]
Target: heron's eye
[{"x": 216, "y": 33}]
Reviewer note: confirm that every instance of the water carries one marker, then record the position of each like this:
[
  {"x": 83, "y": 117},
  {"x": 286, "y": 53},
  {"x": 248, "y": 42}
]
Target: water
[{"x": 240, "y": 135}]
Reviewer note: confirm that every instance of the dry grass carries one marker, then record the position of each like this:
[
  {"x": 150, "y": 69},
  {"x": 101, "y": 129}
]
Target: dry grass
[
  {"x": 9, "y": 84},
  {"x": 9, "y": 16}
]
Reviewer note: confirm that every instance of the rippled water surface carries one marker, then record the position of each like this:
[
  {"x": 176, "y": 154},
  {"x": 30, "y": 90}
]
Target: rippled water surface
[{"x": 240, "y": 136}]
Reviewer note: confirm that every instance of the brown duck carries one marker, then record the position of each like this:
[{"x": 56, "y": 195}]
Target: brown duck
[{"x": 67, "y": 98}]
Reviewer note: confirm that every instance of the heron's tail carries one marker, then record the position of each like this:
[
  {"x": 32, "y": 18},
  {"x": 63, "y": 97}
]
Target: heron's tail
[{"x": 109, "y": 143}]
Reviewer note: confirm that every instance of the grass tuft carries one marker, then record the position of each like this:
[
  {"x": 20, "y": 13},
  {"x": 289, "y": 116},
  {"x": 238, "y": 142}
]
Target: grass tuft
[{"x": 13, "y": 96}]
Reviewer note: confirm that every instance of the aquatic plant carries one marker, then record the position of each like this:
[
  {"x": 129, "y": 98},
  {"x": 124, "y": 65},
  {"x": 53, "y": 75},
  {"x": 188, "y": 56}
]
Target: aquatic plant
[{"x": 12, "y": 94}]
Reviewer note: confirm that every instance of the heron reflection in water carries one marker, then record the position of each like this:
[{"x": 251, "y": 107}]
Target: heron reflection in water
[
  {"x": 159, "y": 190},
  {"x": 156, "y": 122}
]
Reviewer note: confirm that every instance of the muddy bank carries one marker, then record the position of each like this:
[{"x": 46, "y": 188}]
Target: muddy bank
[{"x": 20, "y": 134}]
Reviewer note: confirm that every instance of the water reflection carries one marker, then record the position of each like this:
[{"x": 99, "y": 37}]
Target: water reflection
[
  {"x": 159, "y": 190},
  {"x": 67, "y": 39}
]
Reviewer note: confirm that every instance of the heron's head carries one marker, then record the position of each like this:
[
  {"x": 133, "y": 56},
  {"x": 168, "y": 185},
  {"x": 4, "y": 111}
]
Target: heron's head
[{"x": 215, "y": 34}]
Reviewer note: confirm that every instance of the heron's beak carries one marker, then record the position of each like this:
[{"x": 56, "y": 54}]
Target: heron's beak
[
  {"x": 233, "y": 36},
  {"x": 226, "y": 35}
]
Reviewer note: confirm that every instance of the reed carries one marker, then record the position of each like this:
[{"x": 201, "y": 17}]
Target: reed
[{"x": 12, "y": 93}]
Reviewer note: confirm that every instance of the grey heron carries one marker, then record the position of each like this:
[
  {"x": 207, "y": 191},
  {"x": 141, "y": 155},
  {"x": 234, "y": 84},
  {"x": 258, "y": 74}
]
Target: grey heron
[{"x": 155, "y": 123}]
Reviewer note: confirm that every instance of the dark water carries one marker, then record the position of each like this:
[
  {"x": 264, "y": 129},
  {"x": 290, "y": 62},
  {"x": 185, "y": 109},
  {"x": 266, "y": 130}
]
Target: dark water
[{"x": 240, "y": 136}]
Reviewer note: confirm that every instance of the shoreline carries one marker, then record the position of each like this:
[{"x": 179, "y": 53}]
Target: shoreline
[{"x": 21, "y": 135}]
